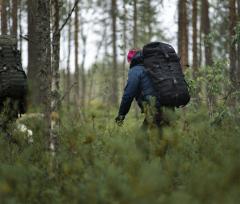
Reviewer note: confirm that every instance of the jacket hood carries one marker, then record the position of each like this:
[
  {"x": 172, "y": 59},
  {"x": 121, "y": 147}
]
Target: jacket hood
[{"x": 137, "y": 60}]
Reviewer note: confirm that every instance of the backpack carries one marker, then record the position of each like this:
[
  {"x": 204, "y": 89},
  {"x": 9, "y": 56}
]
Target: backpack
[
  {"x": 13, "y": 79},
  {"x": 163, "y": 65}
]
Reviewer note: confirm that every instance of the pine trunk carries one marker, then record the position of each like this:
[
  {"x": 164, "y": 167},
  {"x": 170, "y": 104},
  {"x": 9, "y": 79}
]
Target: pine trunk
[
  {"x": 183, "y": 33},
  {"x": 233, "y": 51},
  {"x": 14, "y": 17},
  {"x": 68, "y": 57},
  {"x": 4, "y": 20},
  {"x": 238, "y": 51},
  {"x": 33, "y": 46},
  {"x": 124, "y": 17},
  {"x": 76, "y": 43},
  {"x": 194, "y": 38},
  {"x": 83, "y": 77},
  {"x": 114, "y": 52},
  {"x": 44, "y": 61},
  {"x": 135, "y": 30},
  {"x": 20, "y": 25},
  {"x": 206, "y": 31}
]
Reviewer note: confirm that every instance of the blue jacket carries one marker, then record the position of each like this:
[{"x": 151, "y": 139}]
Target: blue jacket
[{"x": 139, "y": 86}]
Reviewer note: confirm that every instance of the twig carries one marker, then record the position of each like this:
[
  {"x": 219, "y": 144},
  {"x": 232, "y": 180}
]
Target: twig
[
  {"x": 64, "y": 95},
  {"x": 24, "y": 37},
  {"x": 69, "y": 16}
]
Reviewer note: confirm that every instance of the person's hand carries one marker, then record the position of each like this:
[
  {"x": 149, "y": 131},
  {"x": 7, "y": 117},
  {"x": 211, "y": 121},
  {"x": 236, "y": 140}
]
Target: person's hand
[{"x": 119, "y": 120}]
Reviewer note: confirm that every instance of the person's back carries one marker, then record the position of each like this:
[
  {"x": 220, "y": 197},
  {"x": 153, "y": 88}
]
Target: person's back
[{"x": 140, "y": 87}]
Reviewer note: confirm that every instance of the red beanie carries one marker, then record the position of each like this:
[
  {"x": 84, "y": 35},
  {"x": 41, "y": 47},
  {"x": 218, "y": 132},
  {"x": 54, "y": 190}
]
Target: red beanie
[{"x": 131, "y": 54}]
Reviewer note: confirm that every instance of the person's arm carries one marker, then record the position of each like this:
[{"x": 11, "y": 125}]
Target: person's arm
[{"x": 130, "y": 91}]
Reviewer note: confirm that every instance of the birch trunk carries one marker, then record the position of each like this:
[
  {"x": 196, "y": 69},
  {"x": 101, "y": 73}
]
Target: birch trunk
[{"x": 55, "y": 100}]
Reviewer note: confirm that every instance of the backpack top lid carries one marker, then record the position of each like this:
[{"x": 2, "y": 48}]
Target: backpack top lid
[
  {"x": 8, "y": 40},
  {"x": 154, "y": 48}
]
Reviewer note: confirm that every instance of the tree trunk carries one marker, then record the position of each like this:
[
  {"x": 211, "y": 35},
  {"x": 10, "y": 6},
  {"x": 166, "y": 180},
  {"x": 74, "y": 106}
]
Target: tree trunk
[
  {"x": 44, "y": 61},
  {"x": 233, "y": 51},
  {"x": 183, "y": 33},
  {"x": 211, "y": 100},
  {"x": 68, "y": 57},
  {"x": 206, "y": 32},
  {"x": 114, "y": 50},
  {"x": 83, "y": 77},
  {"x": 33, "y": 47},
  {"x": 238, "y": 52},
  {"x": 14, "y": 17},
  {"x": 20, "y": 25},
  {"x": 124, "y": 18},
  {"x": 135, "y": 30},
  {"x": 4, "y": 21},
  {"x": 76, "y": 42},
  {"x": 55, "y": 102},
  {"x": 194, "y": 38}
]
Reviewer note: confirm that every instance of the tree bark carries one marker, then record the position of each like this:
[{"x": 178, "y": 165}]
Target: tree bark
[
  {"x": 68, "y": 57},
  {"x": 114, "y": 50},
  {"x": 238, "y": 51},
  {"x": 44, "y": 61},
  {"x": 55, "y": 99},
  {"x": 4, "y": 20},
  {"x": 83, "y": 77},
  {"x": 135, "y": 26},
  {"x": 14, "y": 17},
  {"x": 206, "y": 31},
  {"x": 76, "y": 43},
  {"x": 194, "y": 38},
  {"x": 183, "y": 33},
  {"x": 33, "y": 46},
  {"x": 124, "y": 18},
  {"x": 20, "y": 25},
  {"x": 232, "y": 46}
]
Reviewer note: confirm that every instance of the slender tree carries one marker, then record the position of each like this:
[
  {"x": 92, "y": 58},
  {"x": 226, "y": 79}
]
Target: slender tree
[
  {"x": 55, "y": 100},
  {"x": 238, "y": 52},
  {"x": 135, "y": 26},
  {"x": 14, "y": 17},
  {"x": 44, "y": 61},
  {"x": 83, "y": 77},
  {"x": 206, "y": 31},
  {"x": 33, "y": 46},
  {"x": 194, "y": 37},
  {"x": 233, "y": 51},
  {"x": 76, "y": 47},
  {"x": 124, "y": 36},
  {"x": 20, "y": 24},
  {"x": 4, "y": 20},
  {"x": 183, "y": 32},
  {"x": 114, "y": 52},
  {"x": 69, "y": 56}
]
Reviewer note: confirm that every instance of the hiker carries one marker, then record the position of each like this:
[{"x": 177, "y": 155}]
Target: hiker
[
  {"x": 155, "y": 80},
  {"x": 139, "y": 86}
]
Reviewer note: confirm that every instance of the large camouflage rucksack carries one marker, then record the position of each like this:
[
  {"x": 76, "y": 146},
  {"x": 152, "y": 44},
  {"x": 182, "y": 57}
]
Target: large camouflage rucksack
[
  {"x": 13, "y": 79},
  {"x": 163, "y": 66}
]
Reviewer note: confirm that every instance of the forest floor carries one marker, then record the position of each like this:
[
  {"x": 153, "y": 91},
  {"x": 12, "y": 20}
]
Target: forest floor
[{"x": 196, "y": 161}]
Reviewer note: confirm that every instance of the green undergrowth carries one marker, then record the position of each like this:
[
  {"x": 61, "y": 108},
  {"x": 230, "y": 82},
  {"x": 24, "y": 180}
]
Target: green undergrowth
[{"x": 195, "y": 161}]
